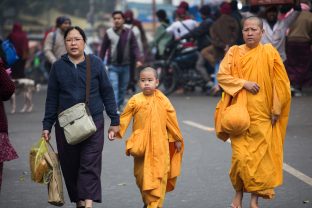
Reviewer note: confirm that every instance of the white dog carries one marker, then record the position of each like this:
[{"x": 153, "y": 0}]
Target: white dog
[{"x": 27, "y": 87}]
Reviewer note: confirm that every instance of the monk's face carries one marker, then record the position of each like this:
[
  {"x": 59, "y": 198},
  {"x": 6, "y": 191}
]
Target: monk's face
[
  {"x": 252, "y": 33},
  {"x": 148, "y": 82}
]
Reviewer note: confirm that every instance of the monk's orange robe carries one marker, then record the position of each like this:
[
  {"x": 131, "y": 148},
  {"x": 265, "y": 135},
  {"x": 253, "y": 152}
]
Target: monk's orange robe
[
  {"x": 157, "y": 170},
  {"x": 257, "y": 155}
]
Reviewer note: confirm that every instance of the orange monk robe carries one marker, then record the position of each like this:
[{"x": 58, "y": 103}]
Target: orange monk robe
[
  {"x": 161, "y": 161},
  {"x": 257, "y": 155}
]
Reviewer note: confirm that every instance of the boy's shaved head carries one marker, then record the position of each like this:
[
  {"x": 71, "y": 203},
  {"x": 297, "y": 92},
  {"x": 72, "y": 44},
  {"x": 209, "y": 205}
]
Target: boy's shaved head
[
  {"x": 257, "y": 19},
  {"x": 150, "y": 69}
]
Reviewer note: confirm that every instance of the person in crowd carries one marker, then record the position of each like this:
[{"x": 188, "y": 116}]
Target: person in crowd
[
  {"x": 121, "y": 45},
  {"x": 238, "y": 16},
  {"x": 161, "y": 38},
  {"x": 130, "y": 23},
  {"x": 275, "y": 29},
  {"x": 20, "y": 41},
  {"x": 81, "y": 164},
  {"x": 156, "y": 142},
  {"x": 7, "y": 88},
  {"x": 202, "y": 36},
  {"x": 54, "y": 46},
  {"x": 182, "y": 25},
  {"x": 129, "y": 18},
  {"x": 224, "y": 33},
  {"x": 257, "y": 153},
  {"x": 185, "y": 6},
  {"x": 299, "y": 50}
]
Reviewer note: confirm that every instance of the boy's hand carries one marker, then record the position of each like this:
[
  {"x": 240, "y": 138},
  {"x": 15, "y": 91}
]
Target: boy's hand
[
  {"x": 178, "y": 145},
  {"x": 112, "y": 131}
]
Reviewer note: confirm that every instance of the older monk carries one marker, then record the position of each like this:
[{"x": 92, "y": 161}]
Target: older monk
[{"x": 257, "y": 153}]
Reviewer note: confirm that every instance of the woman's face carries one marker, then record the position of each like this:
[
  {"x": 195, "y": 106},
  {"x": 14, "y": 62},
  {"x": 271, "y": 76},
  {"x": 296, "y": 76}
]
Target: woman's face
[{"x": 74, "y": 44}]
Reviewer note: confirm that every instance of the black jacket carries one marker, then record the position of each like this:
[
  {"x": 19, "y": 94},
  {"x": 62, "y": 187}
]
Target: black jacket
[{"x": 67, "y": 87}]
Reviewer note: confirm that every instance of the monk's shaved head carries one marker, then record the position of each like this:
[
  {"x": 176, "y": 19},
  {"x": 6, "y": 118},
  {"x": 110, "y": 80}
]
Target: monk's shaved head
[
  {"x": 150, "y": 69},
  {"x": 255, "y": 18}
]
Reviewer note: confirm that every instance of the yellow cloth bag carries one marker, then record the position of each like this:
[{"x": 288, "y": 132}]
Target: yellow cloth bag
[{"x": 235, "y": 119}]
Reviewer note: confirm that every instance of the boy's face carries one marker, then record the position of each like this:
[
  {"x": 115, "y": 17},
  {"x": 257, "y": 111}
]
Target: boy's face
[{"x": 148, "y": 82}]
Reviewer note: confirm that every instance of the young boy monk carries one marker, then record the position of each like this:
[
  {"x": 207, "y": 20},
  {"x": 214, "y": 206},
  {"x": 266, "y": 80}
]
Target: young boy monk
[{"x": 156, "y": 143}]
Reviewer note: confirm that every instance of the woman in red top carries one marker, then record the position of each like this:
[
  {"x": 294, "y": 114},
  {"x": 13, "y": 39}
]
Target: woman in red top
[
  {"x": 20, "y": 41},
  {"x": 7, "y": 88}
]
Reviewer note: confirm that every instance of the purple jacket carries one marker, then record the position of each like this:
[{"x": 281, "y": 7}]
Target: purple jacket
[{"x": 121, "y": 48}]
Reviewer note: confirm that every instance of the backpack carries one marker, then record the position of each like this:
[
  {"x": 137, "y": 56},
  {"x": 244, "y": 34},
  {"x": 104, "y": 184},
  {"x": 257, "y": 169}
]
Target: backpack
[{"x": 8, "y": 52}]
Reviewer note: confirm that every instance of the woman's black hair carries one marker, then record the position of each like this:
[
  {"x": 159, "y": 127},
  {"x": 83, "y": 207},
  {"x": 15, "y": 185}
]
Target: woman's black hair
[{"x": 82, "y": 33}]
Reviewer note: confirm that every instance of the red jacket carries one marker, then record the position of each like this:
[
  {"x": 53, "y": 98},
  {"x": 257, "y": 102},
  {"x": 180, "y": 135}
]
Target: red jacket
[{"x": 7, "y": 88}]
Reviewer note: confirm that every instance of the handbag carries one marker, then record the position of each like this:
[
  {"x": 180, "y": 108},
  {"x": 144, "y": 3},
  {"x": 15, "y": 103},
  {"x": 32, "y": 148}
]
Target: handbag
[
  {"x": 77, "y": 121},
  {"x": 231, "y": 115},
  {"x": 55, "y": 185}
]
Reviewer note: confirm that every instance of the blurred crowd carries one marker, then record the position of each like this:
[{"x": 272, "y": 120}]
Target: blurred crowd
[{"x": 211, "y": 30}]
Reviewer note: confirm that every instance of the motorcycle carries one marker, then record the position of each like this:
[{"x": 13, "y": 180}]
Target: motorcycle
[{"x": 178, "y": 68}]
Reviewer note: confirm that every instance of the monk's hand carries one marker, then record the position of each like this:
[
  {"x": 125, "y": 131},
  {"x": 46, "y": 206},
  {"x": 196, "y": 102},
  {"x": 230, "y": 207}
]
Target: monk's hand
[
  {"x": 252, "y": 87},
  {"x": 274, "y": 118},
  {"x": 46, "y": 135},
  {"x": 178, "y": 145},
  {"x": 112, "y": 131}
]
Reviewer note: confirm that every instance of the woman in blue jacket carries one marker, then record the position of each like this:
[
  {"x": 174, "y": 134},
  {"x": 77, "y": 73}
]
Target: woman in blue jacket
[{"x": 80, "y": 163}]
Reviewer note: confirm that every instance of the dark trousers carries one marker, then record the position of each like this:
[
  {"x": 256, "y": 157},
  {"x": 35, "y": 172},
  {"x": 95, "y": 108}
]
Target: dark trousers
[
  {"x": 81, "y": 164},
  {"x": 298, "y": 64}
]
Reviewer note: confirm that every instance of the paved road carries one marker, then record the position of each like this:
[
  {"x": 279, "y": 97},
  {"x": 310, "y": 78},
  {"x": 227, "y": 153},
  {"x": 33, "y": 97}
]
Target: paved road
[{"x": 204, "y": 182}]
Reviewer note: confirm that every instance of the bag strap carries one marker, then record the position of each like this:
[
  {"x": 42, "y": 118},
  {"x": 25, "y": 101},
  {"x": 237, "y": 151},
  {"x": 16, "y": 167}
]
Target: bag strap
[
  {"x": 53, "y": 40},
  {"x": 47, "y": 142},
  {"x": 184, "y": 25},
  {"x": 88, "y": 79}
]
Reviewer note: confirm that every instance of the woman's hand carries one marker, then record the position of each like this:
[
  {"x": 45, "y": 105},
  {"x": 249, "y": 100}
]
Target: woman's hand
[
  {"x": 46, "y": 135},
  {"x": 8, "y": 71},
  {"x": 112, "y": 131},
  {"x": 178, "y": 145},
  {"x": 252, "y": 87}
]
